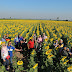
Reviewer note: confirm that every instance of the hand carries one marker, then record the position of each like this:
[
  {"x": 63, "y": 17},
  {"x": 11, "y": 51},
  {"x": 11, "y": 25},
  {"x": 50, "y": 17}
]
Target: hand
[
  {"x": 57, "y": 44},
  {"x": 21, "y": 47},
  {"x": 16, "y": 41},
  {"x": 28, "y": 48},
  {"x": 21, "y": 50},
  {"x": 4, "y": 60}
]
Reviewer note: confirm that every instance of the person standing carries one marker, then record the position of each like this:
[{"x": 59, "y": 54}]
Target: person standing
[
  {"x": 4, "y": 54},
  {"x": 20, "y": 38},
  {"x": 4, "y": 39},
  {"x": 16, "y": 41},
  {"x": 44, "y": 36},
  {"x": 34, "y": 36},
  {"x": 10, "y": 50},
  {"x": 7, "y": 37},
  {"x": 30, "y": 45},
  {"x": 39, "y": 41}
]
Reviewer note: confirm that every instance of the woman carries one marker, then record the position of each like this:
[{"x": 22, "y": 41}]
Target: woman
[
  {"x": 24, "y": 40},
  {"x": 24, "y": 43},
  {"x": 35, "y": 44},
  {"x": 34, "y": 36},
  {"x": 10, "y": 50},
  {"x": 4, "y": 54},
  {"x": 44, "y": 36},
  {"x": 16, "y": 41},
  {"x": 20, "y": 38},
  {"x": 21, "y": 44},
  {"x": 25, "y": 49},
  {"x": 39, "y": 41},
  {"x": 4, "y": 39}
]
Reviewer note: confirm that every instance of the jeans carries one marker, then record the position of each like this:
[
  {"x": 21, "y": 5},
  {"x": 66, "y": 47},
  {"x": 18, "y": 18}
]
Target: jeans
[
  {"x": 6, "y": 63},
  {"x": 11, "y": 62},
  {"x": 29, "y": 51}
]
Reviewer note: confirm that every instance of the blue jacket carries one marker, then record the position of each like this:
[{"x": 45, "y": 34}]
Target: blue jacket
[{"x": 10, "y": 49}]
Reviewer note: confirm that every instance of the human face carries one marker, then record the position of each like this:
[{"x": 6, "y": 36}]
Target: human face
[
  {"x": 43, "y": 34},
  {"x": 4, "y": 36},
  {"x": 61, "y": 41},
  {"x": 56, "y": 41},
  {"x": 23, "y": 38},
  {"x": 21, "y": 42},
  {"x": 3, "y": 45},
  {"x": 16, "y": 35},
  {"x": 9, "y": 43},
  {"x": 65, "y": 48},
  {"x": 7, "y": 35},
  {"x": 34, "y": 34},
  {"x": 19, "y": 35},
  {"x": 32, "y": 39},
  {"x": 39, "y": 36}
]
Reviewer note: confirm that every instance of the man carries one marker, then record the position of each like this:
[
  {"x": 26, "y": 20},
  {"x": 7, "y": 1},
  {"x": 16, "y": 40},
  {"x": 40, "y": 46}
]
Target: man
[
  {"x": 20, "y": 38},
  {"x": 16, "y": 41},
  {"x": 34, "y": 36},
  {"x": 64, "y": 51},
  {"x": 30, "y": 45},
  {"x": 10, "y": 50},
  {"x": 69, "y": 53},
  {"x": 7, "y": 37}
]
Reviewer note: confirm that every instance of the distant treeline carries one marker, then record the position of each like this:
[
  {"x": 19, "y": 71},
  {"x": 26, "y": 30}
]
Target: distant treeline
[{"x": 30, "y": 19}]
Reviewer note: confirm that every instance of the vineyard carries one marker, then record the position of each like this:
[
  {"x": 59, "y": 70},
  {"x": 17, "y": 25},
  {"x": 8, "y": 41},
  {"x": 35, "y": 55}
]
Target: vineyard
[{"x": 48, "y": 60}]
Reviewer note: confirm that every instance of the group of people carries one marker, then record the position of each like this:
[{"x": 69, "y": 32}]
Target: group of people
[
  {"x": 25, "y": 47},
  {"x": 63, "y": 49},
  {"x": 21, "y": 44}
]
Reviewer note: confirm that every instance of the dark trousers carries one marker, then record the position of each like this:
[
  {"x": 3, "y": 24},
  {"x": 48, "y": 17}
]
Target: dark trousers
[
  {"x": 29, "y": 51},
  {"x": 6, "y": 63}
]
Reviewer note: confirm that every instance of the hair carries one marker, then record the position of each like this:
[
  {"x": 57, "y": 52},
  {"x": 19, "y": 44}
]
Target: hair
[
  {"x": 3, "y": 44},
  {"x": 7, "y": 33},
  {"x": 43, "y": 33},
  {"x": 9, "y": 42},
  {"x": 71, "y": 49},
  {"x": 39, "y": 35},
  {"x": 36, "y": 38},
  {"x": 61, "y": 39},
  {"x": 30, "y": 40},
  {"x": 25, "y": 40},
  {"x": 64, "y": 46},
  {"x": 3, "y": 36},
  {"x": 18, "y": 36}
]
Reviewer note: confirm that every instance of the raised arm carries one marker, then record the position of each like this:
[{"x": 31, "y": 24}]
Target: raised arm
[{"x": 17, "y": 49}]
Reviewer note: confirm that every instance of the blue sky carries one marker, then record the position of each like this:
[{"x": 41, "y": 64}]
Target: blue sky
[{"x": 36, "y": 9}]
